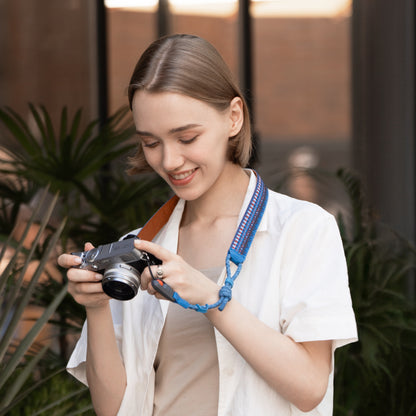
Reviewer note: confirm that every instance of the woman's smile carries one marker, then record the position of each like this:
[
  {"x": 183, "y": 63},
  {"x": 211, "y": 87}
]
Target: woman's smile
[{"x": 182, "y": 178}]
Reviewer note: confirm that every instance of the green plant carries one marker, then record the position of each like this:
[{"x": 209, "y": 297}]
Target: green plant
[
  {"x": 19, "y": 358},
  {"x": 58, "y": 395},
  {"x": 100, "y": 203},
  {"x": 14, "y": 193},
  {"x": 65, "y": 157},
  {"x": 84, "y": 164},
  {"x": 377, "y": 375}
]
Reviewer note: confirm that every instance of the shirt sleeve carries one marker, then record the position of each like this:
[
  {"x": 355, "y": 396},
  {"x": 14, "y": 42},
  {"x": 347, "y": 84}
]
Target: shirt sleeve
[
  {"x": 315, "y": 299},
  {"x": 76, "y": 363}
]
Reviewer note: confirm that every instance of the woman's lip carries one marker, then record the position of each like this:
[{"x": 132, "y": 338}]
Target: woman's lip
[{"x": 183, "y": 178}]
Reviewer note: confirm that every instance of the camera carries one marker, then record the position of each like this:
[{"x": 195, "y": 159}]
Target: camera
[{"x": 121, "y": 265}]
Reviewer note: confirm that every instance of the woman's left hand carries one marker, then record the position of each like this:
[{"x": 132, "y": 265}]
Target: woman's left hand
[{"x": 189, "y": 283}]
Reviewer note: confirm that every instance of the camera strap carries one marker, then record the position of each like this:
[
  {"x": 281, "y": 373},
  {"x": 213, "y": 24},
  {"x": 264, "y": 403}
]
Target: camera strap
[{"x": 237, "y": 252}]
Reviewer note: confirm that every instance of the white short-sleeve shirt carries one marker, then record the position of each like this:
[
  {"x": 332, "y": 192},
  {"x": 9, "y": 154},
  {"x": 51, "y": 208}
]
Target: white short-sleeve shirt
[{"x": 294, "y": 279}]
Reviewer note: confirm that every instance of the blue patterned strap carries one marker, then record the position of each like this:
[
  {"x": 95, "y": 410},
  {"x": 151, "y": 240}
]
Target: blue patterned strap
[
  {"x": 237, "y": 252},
  {"x": 243, "y": 238},
  {"x": 249, "y": 224}
]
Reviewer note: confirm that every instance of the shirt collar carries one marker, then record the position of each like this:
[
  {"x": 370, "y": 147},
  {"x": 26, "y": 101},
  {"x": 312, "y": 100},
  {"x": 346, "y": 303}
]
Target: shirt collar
[{"x": 171, "y": 238}]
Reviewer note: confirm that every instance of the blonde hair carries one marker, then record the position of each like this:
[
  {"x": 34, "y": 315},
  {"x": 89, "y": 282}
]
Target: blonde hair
[{"x": 189, "y": 65}]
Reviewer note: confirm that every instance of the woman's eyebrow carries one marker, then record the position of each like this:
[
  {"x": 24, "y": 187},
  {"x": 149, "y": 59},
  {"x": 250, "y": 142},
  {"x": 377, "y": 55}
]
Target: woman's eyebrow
[
  {"x": 184, "y": 128},
  {"x": 145, "y": 133},
  {"x": 171, "y": 131}
]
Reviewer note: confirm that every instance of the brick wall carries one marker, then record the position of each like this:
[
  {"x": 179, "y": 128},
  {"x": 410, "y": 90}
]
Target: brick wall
[
  {"x": 302, "y": 78},
  {"x": 46, "y": 56},
  {"x": 301, "y": 68},
  {"x": 301, "y": 65}
]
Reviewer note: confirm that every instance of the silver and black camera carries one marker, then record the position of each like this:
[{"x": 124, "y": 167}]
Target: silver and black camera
[{"x": 121, "y": 265}]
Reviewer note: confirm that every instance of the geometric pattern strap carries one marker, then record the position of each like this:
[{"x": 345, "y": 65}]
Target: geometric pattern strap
[{"x": 249, "y": 223}]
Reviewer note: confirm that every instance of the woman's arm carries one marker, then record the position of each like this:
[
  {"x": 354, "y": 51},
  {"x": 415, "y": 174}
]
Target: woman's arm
[
  {"x": 104, "y": 367},
  {"x": 297, "y": 371},
  {"x": 105, "y": 370}
]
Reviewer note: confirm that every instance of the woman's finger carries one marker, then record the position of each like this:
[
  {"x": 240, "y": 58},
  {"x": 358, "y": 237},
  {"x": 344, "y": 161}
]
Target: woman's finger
[
  {"x": 90, "y": 299},
  {"x": 69, "y": 260},
  {"x": 150, "y": 289},
  {"x": 87, "y": 288},
  {"x": 88, "y": 246},
  {"x": 81, "y": 275},
  {"x": 159, "y": 271},
  {"x": 155, "y": 249}
]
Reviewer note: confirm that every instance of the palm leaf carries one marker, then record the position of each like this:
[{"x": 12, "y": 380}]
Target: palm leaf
[
  {"x": 59, "y": 402},
  {"x": 18, "y": 383},
  {"x": 73, "y": 155},
  {"x": 15, "y": 356},
  {"x": 13, "y": 293},
  {"x": 19, "y": 130},
  {"x": 20, "y": 307}
]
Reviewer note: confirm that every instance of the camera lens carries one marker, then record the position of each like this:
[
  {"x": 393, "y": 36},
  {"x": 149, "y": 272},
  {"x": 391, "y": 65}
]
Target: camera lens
[{"x": 121, "y": 281}]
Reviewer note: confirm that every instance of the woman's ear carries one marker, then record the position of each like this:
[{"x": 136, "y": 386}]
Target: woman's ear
[{"x": 236, "y": 116}]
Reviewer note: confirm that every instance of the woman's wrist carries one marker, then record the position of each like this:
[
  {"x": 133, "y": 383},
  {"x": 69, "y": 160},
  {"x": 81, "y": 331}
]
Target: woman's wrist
[
  {"x": 96, "y": 310},
  {"x": 212, "y": 293},
  {"x": 214, "y": 296}
]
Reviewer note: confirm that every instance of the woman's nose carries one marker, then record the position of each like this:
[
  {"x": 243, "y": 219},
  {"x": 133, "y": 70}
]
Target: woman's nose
[{"x": 172, "y": 157}]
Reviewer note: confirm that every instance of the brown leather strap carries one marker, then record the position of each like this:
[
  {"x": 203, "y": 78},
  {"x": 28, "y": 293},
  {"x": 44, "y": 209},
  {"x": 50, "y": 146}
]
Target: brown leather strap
[{"x": 158, "y": 220}]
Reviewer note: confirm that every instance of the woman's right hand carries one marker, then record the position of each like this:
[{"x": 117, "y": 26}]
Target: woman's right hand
[{"x": 84, "y": 285}]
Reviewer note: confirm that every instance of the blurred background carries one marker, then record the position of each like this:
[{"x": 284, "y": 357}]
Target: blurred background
[
  {"x": 330, "y": 82},
  {"x": 293, "y": 60},
  {"x": 331, "y": 87}
]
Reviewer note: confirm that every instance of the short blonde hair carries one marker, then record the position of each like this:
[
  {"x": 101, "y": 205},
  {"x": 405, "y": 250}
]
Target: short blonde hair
[{"x": 189, "y": 65}]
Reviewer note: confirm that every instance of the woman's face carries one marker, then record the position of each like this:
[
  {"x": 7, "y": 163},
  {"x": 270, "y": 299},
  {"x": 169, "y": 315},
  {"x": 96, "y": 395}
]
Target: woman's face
[{"x": 185, "y": 140}]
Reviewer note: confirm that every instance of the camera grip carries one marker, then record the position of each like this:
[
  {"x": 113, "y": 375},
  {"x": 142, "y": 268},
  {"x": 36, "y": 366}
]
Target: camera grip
[{"x": 164, "y": 289}]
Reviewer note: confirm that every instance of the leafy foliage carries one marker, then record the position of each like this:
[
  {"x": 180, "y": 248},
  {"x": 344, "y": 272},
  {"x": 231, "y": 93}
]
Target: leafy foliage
[
  {"x": 14, "y": 193},
  {"x": 377, "y": 375},
  {"x": 19, "y": 359},
  {"x": 100, "y": 203},
  {"x": 68, "y": 158}
]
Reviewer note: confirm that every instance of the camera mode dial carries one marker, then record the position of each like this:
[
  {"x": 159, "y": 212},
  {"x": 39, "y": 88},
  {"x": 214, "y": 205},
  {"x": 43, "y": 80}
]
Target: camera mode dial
[{"x": 91, "y": 255}]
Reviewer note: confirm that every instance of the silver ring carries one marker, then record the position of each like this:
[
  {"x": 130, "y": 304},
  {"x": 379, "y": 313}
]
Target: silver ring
[{"x": 159, "y": 271}]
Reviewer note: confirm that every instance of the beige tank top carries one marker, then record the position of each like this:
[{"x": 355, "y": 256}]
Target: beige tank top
[{"x": 186, "y": 363}]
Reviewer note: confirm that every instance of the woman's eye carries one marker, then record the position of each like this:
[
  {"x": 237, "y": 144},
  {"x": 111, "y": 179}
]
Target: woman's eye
[
  {"x": 188, "y": 141},
  {"x": 149, "y": 144}
]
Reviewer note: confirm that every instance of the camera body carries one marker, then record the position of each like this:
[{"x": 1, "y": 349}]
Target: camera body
[{"x": 121, "y": 265}]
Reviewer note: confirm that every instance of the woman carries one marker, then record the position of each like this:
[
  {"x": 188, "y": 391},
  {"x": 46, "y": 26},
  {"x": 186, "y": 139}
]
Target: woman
[{"x": 269, "y": 348}]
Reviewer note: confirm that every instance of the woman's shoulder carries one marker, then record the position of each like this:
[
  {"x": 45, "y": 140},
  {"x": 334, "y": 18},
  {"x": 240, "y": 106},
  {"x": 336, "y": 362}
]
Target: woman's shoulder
[
  {"x": 287, "y": 206},
  {"x": 283, "y": 209}
]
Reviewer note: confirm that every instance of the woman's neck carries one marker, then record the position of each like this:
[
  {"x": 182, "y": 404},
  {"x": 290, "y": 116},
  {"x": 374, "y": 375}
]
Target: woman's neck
[{"x": 224, "y": 199}]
